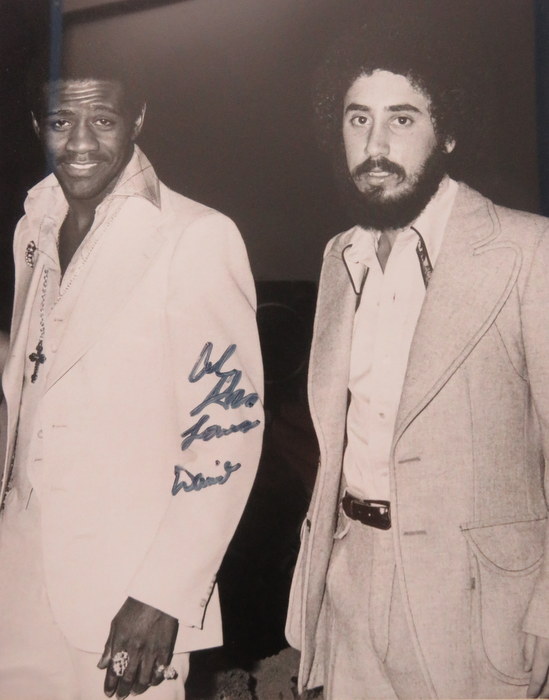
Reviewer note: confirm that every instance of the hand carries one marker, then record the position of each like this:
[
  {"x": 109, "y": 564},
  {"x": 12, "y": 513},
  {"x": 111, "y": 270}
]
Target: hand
[
  {"x": 536, "y": 658},
  {"x": 148, "y": 635}
]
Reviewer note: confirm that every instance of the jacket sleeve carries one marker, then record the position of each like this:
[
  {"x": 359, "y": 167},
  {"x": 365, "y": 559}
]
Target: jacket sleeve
[
  {"x": 535, "y": 330},
  {"x": 216, "y": 363}
]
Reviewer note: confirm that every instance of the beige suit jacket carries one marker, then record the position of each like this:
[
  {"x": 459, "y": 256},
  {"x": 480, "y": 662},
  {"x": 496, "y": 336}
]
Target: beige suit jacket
[{"x": 467, "y": 460}]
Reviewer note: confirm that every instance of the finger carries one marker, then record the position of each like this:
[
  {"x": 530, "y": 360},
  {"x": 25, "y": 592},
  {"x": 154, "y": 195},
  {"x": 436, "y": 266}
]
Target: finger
[
  {"x": 111, "y": 681},
  {"x": 125, "y": 684},
  {"x": 138, "y": 688},
  {"x": 158, "y": 673},
  {"x": 161, "y": 663},
  {"x": 146, "y": 673},
  {"x": 106, "y": 655},
  {"x": 528, "y": 651}
]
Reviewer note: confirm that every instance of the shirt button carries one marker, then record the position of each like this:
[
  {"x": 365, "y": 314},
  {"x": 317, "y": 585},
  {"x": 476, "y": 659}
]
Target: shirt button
[
  {"x": 382, "y": 415},
  {"x": 40, "y": 433}
]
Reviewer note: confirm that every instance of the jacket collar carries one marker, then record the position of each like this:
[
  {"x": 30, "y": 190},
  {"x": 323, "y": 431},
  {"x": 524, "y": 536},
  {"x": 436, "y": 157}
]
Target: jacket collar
[
  {"x": 431, "y": 224},
  {"x": 138, "y": 179}
]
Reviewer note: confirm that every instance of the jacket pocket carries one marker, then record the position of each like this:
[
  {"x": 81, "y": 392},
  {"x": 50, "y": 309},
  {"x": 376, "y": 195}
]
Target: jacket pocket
[{"x": 505, "y": 559}]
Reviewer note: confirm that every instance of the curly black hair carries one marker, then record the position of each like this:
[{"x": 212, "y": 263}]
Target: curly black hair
[{"x": 400, "y": 50}]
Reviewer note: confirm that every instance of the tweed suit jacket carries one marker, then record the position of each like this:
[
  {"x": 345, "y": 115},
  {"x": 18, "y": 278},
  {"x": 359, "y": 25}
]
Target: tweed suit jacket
[{"x": 467, "y": 459}]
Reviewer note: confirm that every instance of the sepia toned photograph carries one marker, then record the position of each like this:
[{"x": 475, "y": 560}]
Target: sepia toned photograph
[{"x": 274, "y": 342}]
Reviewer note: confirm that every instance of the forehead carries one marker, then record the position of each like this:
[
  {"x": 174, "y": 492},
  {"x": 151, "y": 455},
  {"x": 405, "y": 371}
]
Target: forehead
[
  {"x": 383, "y": 89},
  {"x": 85, "y": 94}
]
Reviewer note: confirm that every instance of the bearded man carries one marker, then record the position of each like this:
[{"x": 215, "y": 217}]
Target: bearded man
[{"x": 423, "y": 571}]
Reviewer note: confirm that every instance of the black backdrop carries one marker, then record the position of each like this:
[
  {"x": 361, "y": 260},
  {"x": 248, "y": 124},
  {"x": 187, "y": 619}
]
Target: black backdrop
[{"x": 229, "y": 119}]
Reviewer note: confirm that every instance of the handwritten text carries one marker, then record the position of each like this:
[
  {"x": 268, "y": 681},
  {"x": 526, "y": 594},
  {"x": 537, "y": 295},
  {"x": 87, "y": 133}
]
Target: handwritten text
[{"x": 199, "y": 481}]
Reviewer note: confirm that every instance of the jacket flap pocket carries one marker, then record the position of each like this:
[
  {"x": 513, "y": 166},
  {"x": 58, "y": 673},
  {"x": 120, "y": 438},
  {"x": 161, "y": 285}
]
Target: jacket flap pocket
[{"x": 512, "y": 547}]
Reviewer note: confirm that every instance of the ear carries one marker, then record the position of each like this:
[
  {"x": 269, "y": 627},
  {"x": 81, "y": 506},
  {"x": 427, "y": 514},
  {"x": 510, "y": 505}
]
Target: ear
[
  {"x": 138, "y": 123},
  {"x": 449, "y": 145},
  {"x": 35, "y": 125}
]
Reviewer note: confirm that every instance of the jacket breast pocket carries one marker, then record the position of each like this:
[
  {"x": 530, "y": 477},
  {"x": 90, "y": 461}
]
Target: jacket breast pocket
[{"x": 505, "y": 559}]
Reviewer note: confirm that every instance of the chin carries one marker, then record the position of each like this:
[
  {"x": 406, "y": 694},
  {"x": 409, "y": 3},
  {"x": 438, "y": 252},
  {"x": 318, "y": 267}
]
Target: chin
[{"x": 383, "y": 210}]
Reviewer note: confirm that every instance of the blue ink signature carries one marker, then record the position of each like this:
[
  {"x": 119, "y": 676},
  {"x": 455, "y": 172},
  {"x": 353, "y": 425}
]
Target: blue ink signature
[
  {"x": 225, "y": 393},
  {"x": 193, "y": 433},
  {"x": 199, "y": 481}
]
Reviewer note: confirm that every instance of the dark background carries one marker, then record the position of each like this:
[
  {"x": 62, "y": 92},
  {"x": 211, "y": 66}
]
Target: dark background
[
  {"x": 229, "y": 124},
  {"x": 228, "y": 118}
]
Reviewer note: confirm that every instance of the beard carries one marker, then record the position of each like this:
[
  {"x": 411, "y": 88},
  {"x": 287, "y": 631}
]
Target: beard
[{"x": 372, "y": 209}]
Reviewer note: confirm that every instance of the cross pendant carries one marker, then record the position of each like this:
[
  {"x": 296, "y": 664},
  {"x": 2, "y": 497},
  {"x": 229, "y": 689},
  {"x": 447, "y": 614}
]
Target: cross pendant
[{"x": 38, "y": 358}]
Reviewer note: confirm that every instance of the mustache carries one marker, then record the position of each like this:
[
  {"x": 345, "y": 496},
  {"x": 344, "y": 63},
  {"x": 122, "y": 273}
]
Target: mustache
[
  {"x": 379, "y": 163},
  {"x": 67, "y": 160}
]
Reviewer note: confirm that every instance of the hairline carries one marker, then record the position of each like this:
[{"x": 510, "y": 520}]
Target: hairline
[{"x": 48, "y": 87}]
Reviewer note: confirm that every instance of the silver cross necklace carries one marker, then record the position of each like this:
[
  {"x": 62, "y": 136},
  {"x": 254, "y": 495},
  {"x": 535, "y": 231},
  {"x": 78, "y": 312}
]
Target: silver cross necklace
[{"x": 37, "y": 357}]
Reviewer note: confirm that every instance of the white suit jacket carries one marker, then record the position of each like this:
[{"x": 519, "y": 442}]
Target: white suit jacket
[{"x": 151, "y": 421}]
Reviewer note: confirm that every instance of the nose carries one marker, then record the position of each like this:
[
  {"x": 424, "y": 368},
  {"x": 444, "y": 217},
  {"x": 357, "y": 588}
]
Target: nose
[
  {"x": 377, "y": 142},
  {"x": 82, "y": 139}
]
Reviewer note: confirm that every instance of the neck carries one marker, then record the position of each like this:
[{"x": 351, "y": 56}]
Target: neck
[
  {"x": 81, "y": 215},
  {"x": 391, "y": 235},
  {"x": 74, "y": 229},
  {"x": 386, "y": 242}
]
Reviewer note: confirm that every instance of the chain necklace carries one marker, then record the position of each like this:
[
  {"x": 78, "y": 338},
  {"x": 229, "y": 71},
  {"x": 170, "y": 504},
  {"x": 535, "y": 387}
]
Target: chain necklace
[{"x": 38, "y": 357}]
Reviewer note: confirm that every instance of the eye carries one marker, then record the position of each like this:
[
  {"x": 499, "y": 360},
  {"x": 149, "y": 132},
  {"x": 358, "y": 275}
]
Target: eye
[
  {"x": 403, "y": 120},
  {"x": 359, "y": 120},
  {"x": 59, "y": 124},
  {"x": 103, "y": 122}
]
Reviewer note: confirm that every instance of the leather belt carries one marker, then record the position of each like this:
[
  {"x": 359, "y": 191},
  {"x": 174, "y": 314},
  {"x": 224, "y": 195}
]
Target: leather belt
[{"x": 372, "y": 513}]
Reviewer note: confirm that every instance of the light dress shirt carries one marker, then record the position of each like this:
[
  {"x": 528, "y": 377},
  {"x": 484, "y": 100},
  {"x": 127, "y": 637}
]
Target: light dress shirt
[
  {"x": 384, "y": 326},
  {"x": 56, "y": 295}
]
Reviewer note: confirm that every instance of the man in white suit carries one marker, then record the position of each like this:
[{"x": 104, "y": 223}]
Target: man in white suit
[
  {"x": 424, "y": 570},
  {"x": 133, "y": 389}
]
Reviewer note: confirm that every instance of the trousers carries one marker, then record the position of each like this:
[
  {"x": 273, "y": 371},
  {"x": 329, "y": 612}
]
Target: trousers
[
  {"x": 36, "y": 660},
  {"x": 366, "y": 643},
  {"x": 368, "y": 649}
]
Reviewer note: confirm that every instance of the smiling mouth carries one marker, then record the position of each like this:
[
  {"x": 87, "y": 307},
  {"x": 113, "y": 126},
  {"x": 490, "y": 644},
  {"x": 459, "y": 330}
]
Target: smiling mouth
[{"x": 81, "y": 168}]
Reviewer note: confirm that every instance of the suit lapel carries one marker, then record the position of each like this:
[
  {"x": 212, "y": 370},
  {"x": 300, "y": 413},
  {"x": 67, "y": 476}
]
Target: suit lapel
[
  {"x": 28, "y": 278},
  {"x": 12, "y": 378},
  {"x": 329, "y": 367},
  {"x": 472, "y": 278},
  {"x": 23, "y": 305},
  {"x": 118, "y": 263}
]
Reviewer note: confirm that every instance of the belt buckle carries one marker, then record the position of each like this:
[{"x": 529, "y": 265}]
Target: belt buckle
[
  {"x": 382, "y": 505},
  {"x": 380, "y": 515}
]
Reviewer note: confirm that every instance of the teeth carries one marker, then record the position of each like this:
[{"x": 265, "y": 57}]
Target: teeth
[{"x": 82, "y": 166}]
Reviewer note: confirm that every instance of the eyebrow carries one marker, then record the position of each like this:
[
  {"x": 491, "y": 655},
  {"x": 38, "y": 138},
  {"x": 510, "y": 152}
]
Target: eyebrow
[
  {"x": 96, "y": 108},
  {"x": 355, "y": 106}
]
